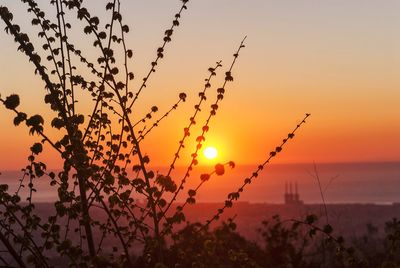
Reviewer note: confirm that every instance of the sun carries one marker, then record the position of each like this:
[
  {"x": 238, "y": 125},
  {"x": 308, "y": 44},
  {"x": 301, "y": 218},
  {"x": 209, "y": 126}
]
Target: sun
[{"x": 210, "y": 152}]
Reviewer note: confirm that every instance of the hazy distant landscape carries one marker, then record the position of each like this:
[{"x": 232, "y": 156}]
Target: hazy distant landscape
[
  {"x": 363, "y": 183},
  {"x": 349, "y": 220}
]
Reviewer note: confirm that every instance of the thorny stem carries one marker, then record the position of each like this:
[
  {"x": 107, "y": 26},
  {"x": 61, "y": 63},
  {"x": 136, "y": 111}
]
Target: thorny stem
[
  {"x": 147, "y": 116},
  {"x": 204, "y": 130},
  {"x": 65, "y": 36},
  {"x": 193, "y": 117},
  {"x": 142, "y": 136},
  {"x": 159, "y": 54},
  {"x": 107, "y": 68},
  {"x": 60, "y": 35},
  {"x": 202, "y": 96},
  {"x": 169, "y": 224}
]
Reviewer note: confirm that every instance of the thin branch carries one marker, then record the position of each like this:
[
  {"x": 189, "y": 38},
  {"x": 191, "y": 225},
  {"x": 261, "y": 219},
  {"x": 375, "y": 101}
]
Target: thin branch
[{"x": 235, "y": 195}]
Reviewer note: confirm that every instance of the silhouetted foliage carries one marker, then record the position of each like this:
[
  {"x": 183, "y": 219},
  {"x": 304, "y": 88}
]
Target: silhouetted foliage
[{"x": 97, "y": 220}]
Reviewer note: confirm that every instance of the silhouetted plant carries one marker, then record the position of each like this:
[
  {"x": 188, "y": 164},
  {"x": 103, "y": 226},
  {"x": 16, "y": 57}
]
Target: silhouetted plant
[
  {"x": 286, "y": 243},
  {"x": 222, "y": 247},
  {"x": 97, "y": 193}
]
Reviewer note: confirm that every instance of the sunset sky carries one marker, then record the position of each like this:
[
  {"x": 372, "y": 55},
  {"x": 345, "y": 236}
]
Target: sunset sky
[{"x": 336, "y": 59}]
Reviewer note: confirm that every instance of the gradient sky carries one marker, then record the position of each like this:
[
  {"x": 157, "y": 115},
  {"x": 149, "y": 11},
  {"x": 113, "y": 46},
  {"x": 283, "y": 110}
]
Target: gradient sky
[{"x": 336, "y": 59}]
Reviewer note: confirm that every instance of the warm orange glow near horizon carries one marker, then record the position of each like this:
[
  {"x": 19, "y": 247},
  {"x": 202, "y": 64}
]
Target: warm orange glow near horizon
[{"x": 338, "y": 60}]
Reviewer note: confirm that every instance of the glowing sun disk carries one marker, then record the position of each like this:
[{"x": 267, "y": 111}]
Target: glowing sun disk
[{"x": 210, "y": 153}]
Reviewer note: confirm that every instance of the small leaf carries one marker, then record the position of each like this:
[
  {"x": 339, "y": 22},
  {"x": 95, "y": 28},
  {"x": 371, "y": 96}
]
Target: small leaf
[
  {"x": 19, "y": 118},
  {"x": 219, "y": 169},
  {"x": 37, "y": 148},
  {"x": 191, "y": 192},
  {"x": 182, "y": 96},
  {"x": 12, "y": 102},
  {"x": 205, "y": 177},
  {"x": 228, "y": 203}
]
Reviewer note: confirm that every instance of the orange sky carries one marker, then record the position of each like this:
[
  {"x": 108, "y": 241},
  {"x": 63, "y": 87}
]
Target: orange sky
[{"x": 338, "y": 60}]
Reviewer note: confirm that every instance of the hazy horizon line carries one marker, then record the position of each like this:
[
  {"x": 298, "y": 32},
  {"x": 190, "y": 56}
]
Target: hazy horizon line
[{"x": 256, "y": 164}]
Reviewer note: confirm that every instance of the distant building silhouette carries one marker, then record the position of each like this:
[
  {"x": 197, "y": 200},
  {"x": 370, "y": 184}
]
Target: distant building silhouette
[{"x": 290, "y": 197}]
